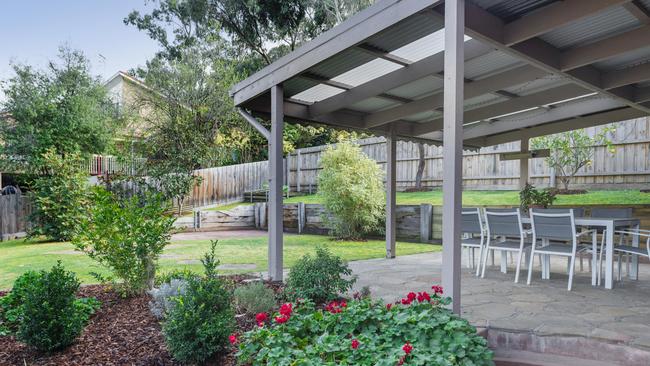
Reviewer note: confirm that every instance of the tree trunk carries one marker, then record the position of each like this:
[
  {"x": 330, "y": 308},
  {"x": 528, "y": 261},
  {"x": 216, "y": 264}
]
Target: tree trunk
[{"x": 421, "y": 163}]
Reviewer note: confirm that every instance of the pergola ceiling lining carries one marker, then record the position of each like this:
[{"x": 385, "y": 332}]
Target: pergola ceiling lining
[{"x": 525, "y": 64}]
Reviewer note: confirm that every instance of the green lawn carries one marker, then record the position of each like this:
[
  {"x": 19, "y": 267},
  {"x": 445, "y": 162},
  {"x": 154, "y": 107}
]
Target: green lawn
[
  {"x": 486, "y": 198},
  {"x": 18, "y": 256}
]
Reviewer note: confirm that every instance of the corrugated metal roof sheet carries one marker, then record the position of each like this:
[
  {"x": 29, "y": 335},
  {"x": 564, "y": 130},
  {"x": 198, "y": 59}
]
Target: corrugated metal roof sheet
[
  {"x": 537, "y": 85},
  {"x": 316, "y": 93},
  {"x": 373, "y": 105},
  {"x": 344, "y": 61},
  {"x": 418, "y": 88},
  {"x": 405, "y": 32},
  {"x": 483, "y": 100},
  {"x": 366, "y": 72},
  {"x": 423, "y": 116},
  {"x": 424, "y": 47},
  {"x": 509, "y": 10},
  {"x": 632, "y": 58},
  {"x": 296, "y": 85},
  {"x": 484, "y": 66},
  {"x": 607, "y": 23}
]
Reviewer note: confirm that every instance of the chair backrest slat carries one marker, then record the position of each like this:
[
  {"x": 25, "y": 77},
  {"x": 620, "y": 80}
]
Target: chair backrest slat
[
  {"x": 504, "y": 222},
  {"x": 577, "y": 212},
  {"x": 471, "y": 221},
  {"x": 553, "y": 224}
]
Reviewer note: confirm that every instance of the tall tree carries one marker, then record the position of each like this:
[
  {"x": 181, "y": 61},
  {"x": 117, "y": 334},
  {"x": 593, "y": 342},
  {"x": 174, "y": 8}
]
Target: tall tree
[{"x": 61, "y": 108}]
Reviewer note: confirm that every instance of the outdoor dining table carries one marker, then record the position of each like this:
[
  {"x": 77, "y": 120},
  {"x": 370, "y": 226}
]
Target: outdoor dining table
[{"x": 609, "y": 225}]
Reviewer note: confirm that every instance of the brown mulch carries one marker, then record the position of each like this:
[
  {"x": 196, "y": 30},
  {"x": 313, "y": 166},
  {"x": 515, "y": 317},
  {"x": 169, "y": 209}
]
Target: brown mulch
[{"x": 122, "y": 332}]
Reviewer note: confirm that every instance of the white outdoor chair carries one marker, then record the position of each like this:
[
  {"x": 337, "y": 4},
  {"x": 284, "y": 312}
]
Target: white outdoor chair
[
  {"x": 630, "y": 250},
  {"x": 473, "y": 236},
  {"x": 505, "y": 223},
  {"x": 559, "y": 230}
]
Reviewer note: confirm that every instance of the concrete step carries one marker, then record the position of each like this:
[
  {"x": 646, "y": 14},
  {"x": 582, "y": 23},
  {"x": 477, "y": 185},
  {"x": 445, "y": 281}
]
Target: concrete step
[{"x": 526, "y": 358}]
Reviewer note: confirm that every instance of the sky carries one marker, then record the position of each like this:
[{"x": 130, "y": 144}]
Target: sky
[{"x": 31, "y": 32}]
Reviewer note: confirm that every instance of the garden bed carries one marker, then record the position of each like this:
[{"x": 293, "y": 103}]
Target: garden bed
[{"x": 122, "y": 332}]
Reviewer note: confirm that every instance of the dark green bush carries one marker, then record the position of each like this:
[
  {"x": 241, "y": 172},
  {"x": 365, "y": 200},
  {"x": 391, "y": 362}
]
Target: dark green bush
[
  {"x": 127, "y": 236},
  {"x": 198, "y": 326},
  {"x": 255, "y": 298},
  {"x": 529, "y": 196},
  {"x": 11, "y": 310},
  {"x": 52, "y": 317},
  {"x": 319, "y": 278},
  {"x": 175, "y": 274}
]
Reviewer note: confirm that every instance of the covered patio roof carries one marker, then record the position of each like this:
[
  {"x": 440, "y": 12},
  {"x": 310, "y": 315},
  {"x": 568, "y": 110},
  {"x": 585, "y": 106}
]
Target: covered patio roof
[
  {"x": 503, "y": 70},
  {"x": 542, "y": 66}
]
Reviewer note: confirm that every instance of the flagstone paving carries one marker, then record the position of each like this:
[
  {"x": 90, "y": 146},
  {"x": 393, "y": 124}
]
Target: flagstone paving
[{"x": 545, "y": 308}]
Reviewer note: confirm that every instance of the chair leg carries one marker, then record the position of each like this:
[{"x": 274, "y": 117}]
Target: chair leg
[
  {"x": 480, "y": 261},
  {"x": 487, "y": 251},
  {"x": 627, "y": 264},
  {"x": 620, "y": 257},
  {"x": 582, "y": 268},
  {"x": 532, "y": 262},
  {"x": 518, "y": 265},
  {"x": 573, "y": 260},
  {"x": 600, "y": 258},
  {"x": 492, "y": 254}
]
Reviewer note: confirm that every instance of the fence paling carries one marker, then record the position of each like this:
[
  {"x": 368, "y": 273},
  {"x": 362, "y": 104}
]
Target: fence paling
[{"x": 14, "y": 211}]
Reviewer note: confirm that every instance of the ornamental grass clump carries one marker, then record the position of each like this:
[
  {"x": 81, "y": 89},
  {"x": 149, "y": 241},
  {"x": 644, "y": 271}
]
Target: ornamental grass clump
[{"x": 418, "y": 330}]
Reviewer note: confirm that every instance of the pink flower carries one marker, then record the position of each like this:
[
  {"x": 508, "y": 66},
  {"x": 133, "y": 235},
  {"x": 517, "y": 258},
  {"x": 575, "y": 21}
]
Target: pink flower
[
  {"x": 437, "y": 289},
  {"x": 355, "y": 344},
  {"x": 281, "y": 319},
  {"x": 286, "y": 309},
  {"x": 407, "y": 348},
  {"x": 233, "y": 338}
]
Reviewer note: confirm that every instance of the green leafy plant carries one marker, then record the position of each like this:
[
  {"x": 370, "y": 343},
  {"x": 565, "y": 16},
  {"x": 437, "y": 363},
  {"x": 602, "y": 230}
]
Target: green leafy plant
[
  {"x": 254, "y": 298},
  {"x": 529, "y": 196},
  {"x": 320, "y": 278},
  {"x": 199, "y": 324},
  {"x": 572, "y": 150},
  {"x": 61, "y": 196},
  {"x": 51, "y": 315},
  {"x": 127, "y": 236},
  {"x": 11, "y": 311},
  {"x": 419, "y": 330},
  {"x": 352, "y": 190},
  {"x": 175, "y": 274}
]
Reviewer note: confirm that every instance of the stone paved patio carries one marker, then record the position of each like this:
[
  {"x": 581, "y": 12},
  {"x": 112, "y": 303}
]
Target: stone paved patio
[{"x": 545, "y": 308}]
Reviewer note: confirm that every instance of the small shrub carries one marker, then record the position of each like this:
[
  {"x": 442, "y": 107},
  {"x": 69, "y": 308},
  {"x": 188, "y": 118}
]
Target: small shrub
[
  {"x": 319, "y": 278},
  {"x": 11, "y": 309},
  {"x": 201, "y": 320},
  {"x": 352, "y": 190},
  {"x": 127, "y": 236},
  {"x": 419, "y": 330},
  {"x": 529, "y": 196},
  {"x": 254, "y": 298},
  {"x": 52, "y": 316},
  {"x": 163, "y": 297},
  {"x": 175, "y": 274}
]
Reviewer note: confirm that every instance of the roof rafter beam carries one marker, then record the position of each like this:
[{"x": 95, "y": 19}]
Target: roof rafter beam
[
  {"x": 631, "y": 75},
  {"x": 521, "y": 103},
  {"x": 428, "y": 66},
  {"x": 344, "y": 86},
  {"x": 560, "y": 126},
  {"x": 490, "y": 84},
  {"x": 638, "y": 10},
  {"x": 481, "y": 25},
  {"x": 604, "y": 49},
  {"x": 551, "y": 17},
  {"x": 374, "y": 51}
]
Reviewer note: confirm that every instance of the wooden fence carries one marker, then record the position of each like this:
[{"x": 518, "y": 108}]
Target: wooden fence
[
  {"x": 14, "y": 210},
  {"x": 627, "y": 168}
]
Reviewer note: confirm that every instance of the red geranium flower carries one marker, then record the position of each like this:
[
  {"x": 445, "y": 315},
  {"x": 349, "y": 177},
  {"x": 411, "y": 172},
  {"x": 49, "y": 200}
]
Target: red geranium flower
[
  {"x": 233, "y": 338},
  {"x": 389, "y": 306},
  {"x": 411, "y": 296},
  {"x": 355, "y": 344},
  {"x": 406, "y": 301},
  {"x": 281, "y": 319},
  {"x": 423, "y": 296},
  {"x": 407, "y": 348},
  {"x": 343, "y": 304},
  {"x": 261, "y": 317},
  {"x": 437, "y": 289},
  {"x": 286, "y": 309}
]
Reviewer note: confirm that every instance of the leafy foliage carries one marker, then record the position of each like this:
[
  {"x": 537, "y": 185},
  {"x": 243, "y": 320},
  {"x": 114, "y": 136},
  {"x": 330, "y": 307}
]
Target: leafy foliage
[
  {"x": 529, "y": 196},
  {"x": 571, "y": 151},
  {"x": 127, "y": 236},
  {"x": 63, "y": 108},
  {"x": 254, "y": 298},
  {"x": 352, "y": 190},
  {"x": 364, "y": 332},
  {"x": 319, "y": 278},
  {"x": 61, "y": 196},
  {"x": 51, "y": 315},
  {"x": 11, "y": 311},
  {"x": 201, "y": 320},
  {"x": 175, "y": 274},
  {"x": 162, "y": 298}
]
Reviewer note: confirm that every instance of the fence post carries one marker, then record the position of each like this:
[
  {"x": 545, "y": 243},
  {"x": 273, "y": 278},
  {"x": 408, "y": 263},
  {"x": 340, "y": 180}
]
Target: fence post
[
  {"x": 197, "y": 220},
  {"x": 298, "y": 172},
  {"x": 263, "y": 215},
  {"x": 301, "y": 217},
  {"x": 426, "y": 216}
]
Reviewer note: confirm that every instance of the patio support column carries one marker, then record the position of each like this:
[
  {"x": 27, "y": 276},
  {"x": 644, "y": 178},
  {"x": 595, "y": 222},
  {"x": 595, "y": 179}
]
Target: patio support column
[
  {"x": 523, "y": 163},
  {"x": 275, "y": 184},
  {"x": 391, "y": 222},
  {"x": 452, "y": 149}
]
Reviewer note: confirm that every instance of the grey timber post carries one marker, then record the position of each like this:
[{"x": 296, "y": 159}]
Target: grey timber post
[
  {"x": 523, "y": 162},
  {"x": 426, "y": 216},
  {"x": 275, "y": 184},
  {"x": 301, "y": 217},
  {"x": 391, "y": 164},
  {"x": 452, "y": 149},
  {"x": 298, "y": 172}
]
